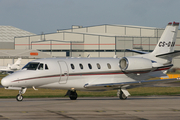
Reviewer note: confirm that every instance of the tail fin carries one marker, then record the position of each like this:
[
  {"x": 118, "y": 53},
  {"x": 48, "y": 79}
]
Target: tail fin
[
  {"x": 167, "y": 41},
  {"x": 16, "y": 65},
  {"x": 18, "y": 61},
  {"x": 9, "y": 66}
]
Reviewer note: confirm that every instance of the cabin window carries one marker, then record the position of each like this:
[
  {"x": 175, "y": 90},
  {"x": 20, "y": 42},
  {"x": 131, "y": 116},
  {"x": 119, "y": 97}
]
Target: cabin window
[
  {"x": 46, "y": 67},
  {"x": 109, "y": 66},
  {"x": 81, "y": 66},
  {"x": 40, "y": 67},
  {"x": 31, "y": 66},
  {"x": 90, "y": 66},
  {"x": 72, "y": 66},
  {"x": 98, "y": 66}
]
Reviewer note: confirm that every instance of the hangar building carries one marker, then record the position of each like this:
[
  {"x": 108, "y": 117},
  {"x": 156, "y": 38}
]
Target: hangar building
[
  {"x": 96, "y": 41},
  {"x": 8, "y": 53}
]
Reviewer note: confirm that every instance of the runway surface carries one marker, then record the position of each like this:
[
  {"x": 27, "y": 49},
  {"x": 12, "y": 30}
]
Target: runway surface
[{"x": 96, "y": 108}]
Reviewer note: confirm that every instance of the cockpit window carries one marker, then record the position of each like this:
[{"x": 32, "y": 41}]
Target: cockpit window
[
  {"x": 31, "y": 66},
  {"x": 40, "y": 67}
]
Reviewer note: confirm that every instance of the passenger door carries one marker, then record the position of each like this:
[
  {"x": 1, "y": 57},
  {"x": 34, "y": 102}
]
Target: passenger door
[{"x": 64, "y": 73}]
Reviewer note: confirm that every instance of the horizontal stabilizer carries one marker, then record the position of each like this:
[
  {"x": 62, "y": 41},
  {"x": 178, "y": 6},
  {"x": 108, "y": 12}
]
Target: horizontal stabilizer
[
  {"x": 136, "y": 51},
  {"x": 169, "y": 55},
  {"x": 134, "y": 83}
]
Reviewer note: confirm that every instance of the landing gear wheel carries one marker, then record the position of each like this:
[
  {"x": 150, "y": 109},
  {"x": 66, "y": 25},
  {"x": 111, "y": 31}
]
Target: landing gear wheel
[
  {"x": 19, "y": 97},
  {"x": 122, "y": 96},
  {"x": 73, "y": 95}
]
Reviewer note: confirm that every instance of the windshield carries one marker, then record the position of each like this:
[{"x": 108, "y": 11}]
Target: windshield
[{"x": 31, "y": 66}]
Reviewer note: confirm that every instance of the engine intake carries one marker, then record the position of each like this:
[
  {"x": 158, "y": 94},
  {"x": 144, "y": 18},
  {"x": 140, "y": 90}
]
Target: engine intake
[{"x": 135, "y": 64}]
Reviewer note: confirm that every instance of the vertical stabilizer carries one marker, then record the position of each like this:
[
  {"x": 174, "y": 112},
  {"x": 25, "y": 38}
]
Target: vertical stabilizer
[
  {"x": 167, "y": 41},
  {"x": 18, "y": 61},
  {"x": 16, "y": 65}
]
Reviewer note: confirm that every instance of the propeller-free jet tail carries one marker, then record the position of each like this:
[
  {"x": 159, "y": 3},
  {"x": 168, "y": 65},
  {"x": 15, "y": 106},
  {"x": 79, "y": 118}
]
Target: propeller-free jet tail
[
  {"x": 98, "y": 73},
  {"x": 11, "y": 68}
]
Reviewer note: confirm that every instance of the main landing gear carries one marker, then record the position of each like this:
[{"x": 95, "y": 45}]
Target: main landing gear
[
  {"x": 72, "y": 94},
  {"x": 123, "y": 94},
  {"x": 19, "y": 97}
]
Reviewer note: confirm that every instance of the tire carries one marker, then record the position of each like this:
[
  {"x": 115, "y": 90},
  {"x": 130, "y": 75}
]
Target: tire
[
  {"x": 19, "y": 98},
  {"x": 73, "y": 98},
  {"x": 122, "y": 96},
  {"x": 73, "y": 95}
]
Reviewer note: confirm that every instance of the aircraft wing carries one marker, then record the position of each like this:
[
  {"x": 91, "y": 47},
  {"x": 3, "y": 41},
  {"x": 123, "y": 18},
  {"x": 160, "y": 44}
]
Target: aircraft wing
[
  {"x": 136, "y": 51},
  {"x": 130, "y": 84}
]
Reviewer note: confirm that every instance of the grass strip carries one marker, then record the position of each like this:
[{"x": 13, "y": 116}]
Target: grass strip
[{"x": 48, "y": 93}]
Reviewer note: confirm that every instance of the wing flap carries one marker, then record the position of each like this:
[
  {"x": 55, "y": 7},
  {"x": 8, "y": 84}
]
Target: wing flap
[{"x": 133, "y": 83}]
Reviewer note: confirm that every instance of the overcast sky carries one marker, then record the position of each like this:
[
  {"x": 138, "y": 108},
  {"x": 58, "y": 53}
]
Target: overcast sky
[{"x": 47, "y": 16}]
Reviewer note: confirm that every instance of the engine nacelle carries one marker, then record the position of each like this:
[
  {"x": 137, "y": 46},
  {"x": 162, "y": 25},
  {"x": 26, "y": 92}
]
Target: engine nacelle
[
  {"x": 135, "y": 64},
  {"x": 14, "y": 67}
]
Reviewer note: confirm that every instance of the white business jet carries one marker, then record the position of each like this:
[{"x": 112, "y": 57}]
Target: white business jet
[
  {"x": 11, "y": 67},
  {"x": 98, "y": 73}
]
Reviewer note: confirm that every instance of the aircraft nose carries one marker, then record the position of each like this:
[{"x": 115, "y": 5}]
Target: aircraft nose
[{"x": 4, "y": 82}]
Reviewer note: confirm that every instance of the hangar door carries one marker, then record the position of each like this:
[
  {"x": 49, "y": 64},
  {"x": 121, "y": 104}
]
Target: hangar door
[{"x": 64, "y": 73}]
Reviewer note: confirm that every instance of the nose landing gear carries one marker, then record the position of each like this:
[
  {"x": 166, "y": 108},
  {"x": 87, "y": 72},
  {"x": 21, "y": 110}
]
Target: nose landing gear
[{"x": 19, "y": 97}]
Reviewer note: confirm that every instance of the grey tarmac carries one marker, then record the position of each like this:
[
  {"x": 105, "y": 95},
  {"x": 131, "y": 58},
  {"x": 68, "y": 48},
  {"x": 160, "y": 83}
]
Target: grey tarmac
[{"x": 88, "y": 108}]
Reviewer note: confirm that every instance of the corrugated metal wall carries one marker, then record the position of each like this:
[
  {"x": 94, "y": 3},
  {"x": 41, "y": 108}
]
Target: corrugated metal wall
[{"x": 98, "y": 41}]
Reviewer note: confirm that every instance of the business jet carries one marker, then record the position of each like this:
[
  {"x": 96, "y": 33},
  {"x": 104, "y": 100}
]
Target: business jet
[
  {"x": 11, "y": 67},
  {"x": 96, "y": 74}
]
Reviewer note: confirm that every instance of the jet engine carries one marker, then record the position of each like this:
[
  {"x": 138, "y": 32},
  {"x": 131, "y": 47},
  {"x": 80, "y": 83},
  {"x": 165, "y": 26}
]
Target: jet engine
[
  {"x": 13, "y": 67},
  {"x": 135, "y": 64}
]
